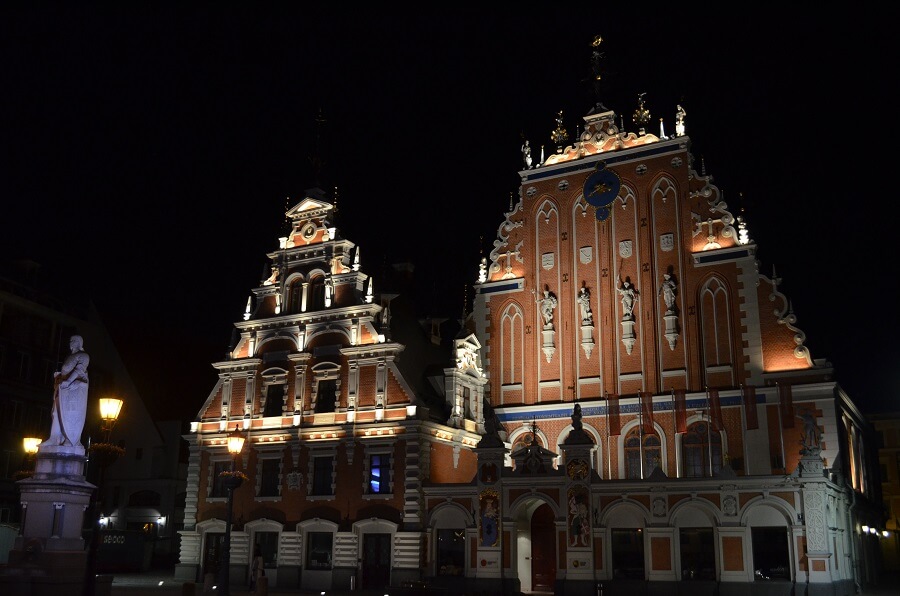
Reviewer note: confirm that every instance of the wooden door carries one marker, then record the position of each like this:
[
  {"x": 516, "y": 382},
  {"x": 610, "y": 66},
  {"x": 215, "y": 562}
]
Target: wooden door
[
  {"x": 543, "y": 550},
  {"x": 212, "y": 552},
  {"x": 376, "y": 561}
]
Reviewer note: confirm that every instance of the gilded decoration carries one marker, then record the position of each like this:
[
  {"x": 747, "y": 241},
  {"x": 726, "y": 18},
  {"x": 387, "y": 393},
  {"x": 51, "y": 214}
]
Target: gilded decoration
[{"x": 489, "y": 515}]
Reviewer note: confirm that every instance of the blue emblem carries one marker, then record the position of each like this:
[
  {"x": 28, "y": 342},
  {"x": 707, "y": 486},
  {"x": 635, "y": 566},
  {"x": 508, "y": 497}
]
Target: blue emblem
[{"x": 600, "y": 189}]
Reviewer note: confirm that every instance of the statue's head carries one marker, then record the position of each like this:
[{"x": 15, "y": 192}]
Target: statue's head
[{"x": 76, "y": 342}]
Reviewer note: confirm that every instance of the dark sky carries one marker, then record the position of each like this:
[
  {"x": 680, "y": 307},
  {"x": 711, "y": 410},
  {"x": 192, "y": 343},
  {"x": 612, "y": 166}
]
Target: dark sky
[{"x": 147, "y": 153}]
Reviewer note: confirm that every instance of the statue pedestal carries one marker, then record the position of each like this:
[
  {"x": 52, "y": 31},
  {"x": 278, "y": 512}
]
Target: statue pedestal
[
  {"x": 628, "y": 337},
  {"x": 671, "y": 334},
  {"x": 587, "y": 339},
  {"x": 548, "y": 346},
  {"x": 49, "y": 556}
]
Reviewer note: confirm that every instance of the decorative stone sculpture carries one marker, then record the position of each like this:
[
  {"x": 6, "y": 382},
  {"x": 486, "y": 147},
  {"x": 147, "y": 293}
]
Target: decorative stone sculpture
[{"x": 70, "y": 394}]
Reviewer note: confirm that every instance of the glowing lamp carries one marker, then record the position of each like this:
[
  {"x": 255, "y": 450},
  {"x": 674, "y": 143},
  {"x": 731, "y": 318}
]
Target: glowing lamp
[
  {"x": 235, "y": 441},
  {"x": 110, "y": 408},
  {"x": 865, "y": 529},
  {"x": 31, "y": 445}
]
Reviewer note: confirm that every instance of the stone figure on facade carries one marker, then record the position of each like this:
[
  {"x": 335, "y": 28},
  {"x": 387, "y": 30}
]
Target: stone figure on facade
[
  {"x": 70, "y": 395},
  {"x": 629, "y": 295},
  {"x": 667, "y": 291},
  {"x": 810, "y": 438},
  {"x": 679, "y": 120},
  {"x": 526, "y": 155},
  {"x": 584, "y": 301},
  {"x": 548, "y": 304}
]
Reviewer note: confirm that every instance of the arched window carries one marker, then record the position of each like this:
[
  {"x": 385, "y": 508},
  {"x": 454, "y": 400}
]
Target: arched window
[
  {"x": 316, "y": 294},
  {"x": 652, "y": 449},
  {"x": 701, "y": 449},
  {"x": 295, "y": 296}
]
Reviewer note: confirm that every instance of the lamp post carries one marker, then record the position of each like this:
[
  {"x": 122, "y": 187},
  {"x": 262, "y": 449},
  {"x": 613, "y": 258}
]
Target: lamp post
[
  {"x": 105, "y": 453},
  {"x": 230, "y": 481},
  {"x": 30, "y": 445}
]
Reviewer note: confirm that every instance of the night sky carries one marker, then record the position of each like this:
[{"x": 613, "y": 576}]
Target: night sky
[{"x": 147, "y": 154}]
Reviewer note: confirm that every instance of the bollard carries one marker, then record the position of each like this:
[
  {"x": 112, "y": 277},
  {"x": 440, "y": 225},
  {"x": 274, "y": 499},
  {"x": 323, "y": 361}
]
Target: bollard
[
  {"x": 188, "y": 588},
  {"x": 262, "y": 586}
]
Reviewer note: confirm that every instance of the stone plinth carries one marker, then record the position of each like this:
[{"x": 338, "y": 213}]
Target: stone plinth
[{"x": 49, "y": 556}]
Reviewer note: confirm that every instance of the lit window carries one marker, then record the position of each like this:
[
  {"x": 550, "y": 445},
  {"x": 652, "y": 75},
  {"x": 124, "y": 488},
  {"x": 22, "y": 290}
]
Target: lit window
[{"x": 380, "y": 474}]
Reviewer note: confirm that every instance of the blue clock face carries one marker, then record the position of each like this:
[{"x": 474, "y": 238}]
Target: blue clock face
[{"x": 600, "y": 189}]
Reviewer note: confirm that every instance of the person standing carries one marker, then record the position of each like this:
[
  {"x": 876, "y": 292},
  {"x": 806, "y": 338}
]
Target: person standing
[
  {"x": 257, "y": 569},
  {"x": 70, "y": 394}
]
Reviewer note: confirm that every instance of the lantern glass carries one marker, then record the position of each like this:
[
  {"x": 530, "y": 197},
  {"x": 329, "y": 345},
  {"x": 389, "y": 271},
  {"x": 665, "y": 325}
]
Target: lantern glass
[
  {"x": 235, "y": 441},
  {"x": 31, "y": 445},
  {"x": 110, "y": 408}
]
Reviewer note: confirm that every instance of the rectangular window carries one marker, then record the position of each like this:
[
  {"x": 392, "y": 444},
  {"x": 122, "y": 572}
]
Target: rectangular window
[
  {"x": 380, "y": 474},
  {"x": 322, "y": 471},
  {"x": 451, "y": 551},
  {"x": 698, "y": 558},
  {"x": 326, "y": 396},
  {"x": 274, "y": 400},
  {"x": 268, "y": 483},
  {"x": 218, "y": 490},
  {"x": 24, "y": 366},
  {"x": 628, "y": 553},
  {"x": 771, "y": 560},
  {"x": 318, "y": 550},
  {"x": 6, "y": 458}
]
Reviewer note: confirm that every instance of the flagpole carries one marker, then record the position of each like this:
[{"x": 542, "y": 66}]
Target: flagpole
[
  {"x": 744, "y": 438},
  {"x": 780, "y": 427},
  {"x": 674, "y": 431},
  {"x": 641, "y": 427},
  {"x": 708, "y": 435},
  {"x": 608, "y": 454}
]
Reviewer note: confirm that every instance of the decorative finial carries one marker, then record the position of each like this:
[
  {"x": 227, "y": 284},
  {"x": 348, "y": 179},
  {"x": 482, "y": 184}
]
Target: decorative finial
[
  {"x": 247, "y": 310},
  {"x": 482, "y": 271},
  {"x": 662, "y": 130},
  {"x": 743, "y": 232},
  {"x": 559, "y": 134},
  {"x": 369, "y": 292},
  {"x": 641, "y": 115},
  {"x": 510, "y": 201}
]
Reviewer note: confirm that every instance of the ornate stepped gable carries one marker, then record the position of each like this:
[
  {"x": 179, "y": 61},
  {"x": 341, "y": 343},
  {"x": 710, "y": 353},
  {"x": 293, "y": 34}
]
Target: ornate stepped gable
[
  {"x": 314, "y": 312},
  {"x": 675, "y": 296}
]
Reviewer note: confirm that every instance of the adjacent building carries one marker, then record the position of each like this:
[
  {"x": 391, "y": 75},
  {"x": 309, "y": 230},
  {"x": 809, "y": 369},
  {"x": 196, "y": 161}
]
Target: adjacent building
[{"x": 142, "y": 489}]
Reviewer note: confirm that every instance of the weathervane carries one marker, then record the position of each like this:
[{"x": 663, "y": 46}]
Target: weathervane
[
  {"x": 596, "y": 70},
  {"x": 559, "y": 135}
]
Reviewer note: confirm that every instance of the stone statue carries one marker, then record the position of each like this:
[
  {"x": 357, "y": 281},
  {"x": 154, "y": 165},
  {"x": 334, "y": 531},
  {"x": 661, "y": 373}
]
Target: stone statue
[
  {"x": 584, "y": 301},
  {"x": 810, "y": 438},
  {"x": 70, "y": 394},
  {"x": 667, "y": 290},
  {"x": 548, "y": 303},
  {"x": 526, "y": 155},
  {"x": 679, "y": 121},
  {"x": 629, "y": 295}
]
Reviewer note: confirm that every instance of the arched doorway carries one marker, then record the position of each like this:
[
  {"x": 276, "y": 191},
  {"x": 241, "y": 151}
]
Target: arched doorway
[{"x": 543, "y": 549}]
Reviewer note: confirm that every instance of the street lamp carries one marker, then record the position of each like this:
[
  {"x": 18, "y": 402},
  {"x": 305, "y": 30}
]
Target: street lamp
[
  {"x": 30, "y": 445},
  {"x": 105, "y": 453},
  {"x": 230, "y": 480}
]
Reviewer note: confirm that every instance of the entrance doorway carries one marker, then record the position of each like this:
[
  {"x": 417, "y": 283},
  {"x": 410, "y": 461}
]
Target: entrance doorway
[
  {"x": 376, "y": 561},
  {"x": 543, "y": 549},
  {"x": 212, "y": 552}
]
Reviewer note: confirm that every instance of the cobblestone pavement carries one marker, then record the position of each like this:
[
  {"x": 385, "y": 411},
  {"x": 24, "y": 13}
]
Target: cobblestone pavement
[{"x": 163, "y": 583}]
